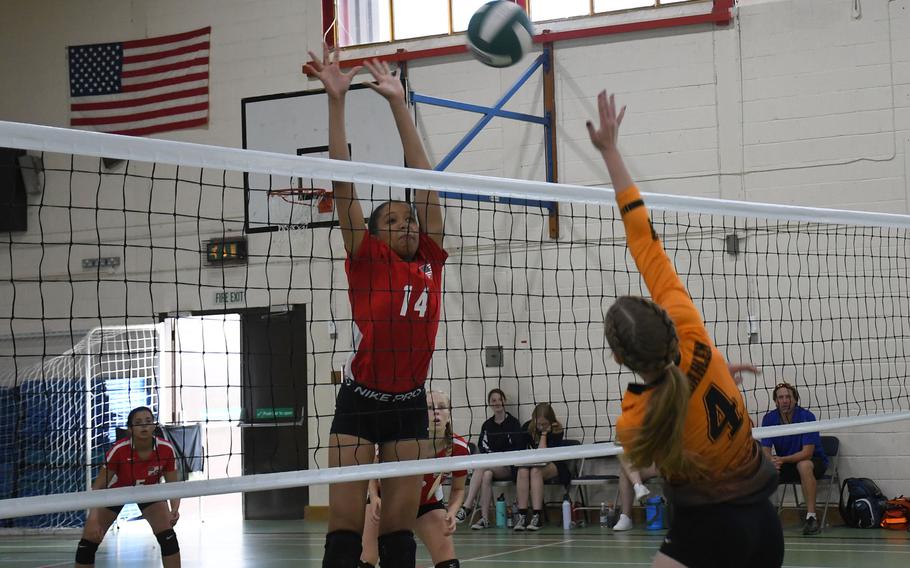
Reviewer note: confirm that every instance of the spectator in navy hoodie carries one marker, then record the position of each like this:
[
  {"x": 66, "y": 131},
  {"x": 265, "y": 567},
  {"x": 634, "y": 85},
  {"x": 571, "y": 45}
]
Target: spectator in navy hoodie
[{"x": 502, "y": 432}]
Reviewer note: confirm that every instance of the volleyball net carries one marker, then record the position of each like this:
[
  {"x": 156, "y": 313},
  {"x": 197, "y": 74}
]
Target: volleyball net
[{"x": 208, "y": 284}]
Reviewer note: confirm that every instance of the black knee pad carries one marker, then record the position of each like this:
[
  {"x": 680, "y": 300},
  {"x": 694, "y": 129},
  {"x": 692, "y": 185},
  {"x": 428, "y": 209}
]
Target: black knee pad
[
  {"x": 453, "y": 563},
  {"x": 167, "y": 539},
  {"x": 85, "y": 552},
  {"x": 397, "y": 550},
  {"x": 342, "y": 550},
  {"x": 362, "y": 564}
]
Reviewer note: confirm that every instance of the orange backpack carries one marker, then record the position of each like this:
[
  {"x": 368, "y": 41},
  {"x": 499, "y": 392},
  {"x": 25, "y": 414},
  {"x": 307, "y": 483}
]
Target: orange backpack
[{"x": 897, "y": 514}]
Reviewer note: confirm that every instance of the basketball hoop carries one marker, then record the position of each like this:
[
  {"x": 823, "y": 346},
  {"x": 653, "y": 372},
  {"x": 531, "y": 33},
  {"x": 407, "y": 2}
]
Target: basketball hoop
[{"x": 322, "y": 198}]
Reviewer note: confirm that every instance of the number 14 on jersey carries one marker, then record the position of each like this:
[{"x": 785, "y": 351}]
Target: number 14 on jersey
[{"x": 420, "y": 306}]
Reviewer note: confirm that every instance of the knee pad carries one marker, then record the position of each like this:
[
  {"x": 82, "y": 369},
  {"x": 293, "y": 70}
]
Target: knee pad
[
  {"x": 362, "y": 564},
  {"x": 453, "y": 563},
  {"x": 342, "y": 550},
  {"x": 397, "y": 549},
  {"x": 85, "y": 552},
  {"x": 167, "y": 539}
]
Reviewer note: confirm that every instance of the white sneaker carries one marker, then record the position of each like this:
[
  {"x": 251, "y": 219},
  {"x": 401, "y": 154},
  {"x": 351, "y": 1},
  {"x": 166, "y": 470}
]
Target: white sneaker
[
  {"x": 623, "y": 524},
  {"x": 535, "y": 524},
  {"x": 483, "y": 523},
  {"x": 641, "y": 491},
  {"x": 520, "y": 523},
  {"x": 462, "y": 515}
]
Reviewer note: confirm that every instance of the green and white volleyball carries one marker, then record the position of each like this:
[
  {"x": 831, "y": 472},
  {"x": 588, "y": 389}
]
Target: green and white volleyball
[{"x": 499, "y": 33}]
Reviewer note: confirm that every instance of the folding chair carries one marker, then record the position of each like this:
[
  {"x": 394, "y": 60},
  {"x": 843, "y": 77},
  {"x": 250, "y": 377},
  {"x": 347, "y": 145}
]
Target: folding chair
[
  {"x": 583, "y": 480},
  {"x": 830, "y": 479}
]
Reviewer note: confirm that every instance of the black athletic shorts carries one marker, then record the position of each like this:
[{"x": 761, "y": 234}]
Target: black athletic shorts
[
  {"x": 380, "y": 417},
  {"x": 789, "y": 473},
  {"x": 426, "y": 508},
  {"x": 724, "y": 535},
  {"x": 142, "y": 507}
]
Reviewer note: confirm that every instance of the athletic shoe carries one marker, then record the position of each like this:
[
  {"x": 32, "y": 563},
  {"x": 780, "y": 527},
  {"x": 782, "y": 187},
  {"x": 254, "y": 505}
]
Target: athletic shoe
[
  {"x": 461, "y": 515},
  {"x": 535, "y": 524},
  {"x": 623, "y": 524},
  {"x": 811, "y": 526},
  {"x": 520, "y": 522},
  {"x": 483, "y": 523},
  {"x": 641, "y": 491}
]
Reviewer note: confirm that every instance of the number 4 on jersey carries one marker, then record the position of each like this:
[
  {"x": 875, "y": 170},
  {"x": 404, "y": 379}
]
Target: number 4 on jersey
[
  {"x": 420, "y": 306},
  {"x": 722, "y": 413}
]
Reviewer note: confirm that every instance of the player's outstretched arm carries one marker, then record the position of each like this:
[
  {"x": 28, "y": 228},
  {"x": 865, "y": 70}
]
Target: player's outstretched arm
[
  {"x": 337, "y": 83},
  {"x": 429, "y": 212}
]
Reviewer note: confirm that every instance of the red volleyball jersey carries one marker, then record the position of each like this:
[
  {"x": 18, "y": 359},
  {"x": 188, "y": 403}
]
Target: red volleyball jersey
[
  {"x": 431, "y": 490},
  {"x": 395, "y": 305},
  {"x": 127, "y": 469}
]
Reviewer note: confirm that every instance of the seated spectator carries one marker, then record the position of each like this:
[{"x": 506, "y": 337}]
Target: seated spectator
[
  {"x": 501, "y": 432},
  {"x": 543, "y": 430},
  {"x": 798, "y": 457}
]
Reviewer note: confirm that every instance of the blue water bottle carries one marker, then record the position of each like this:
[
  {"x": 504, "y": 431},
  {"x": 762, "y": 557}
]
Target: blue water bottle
[
  {"x": 501, "y": 511},
  {"x": 654, "y": 513}
]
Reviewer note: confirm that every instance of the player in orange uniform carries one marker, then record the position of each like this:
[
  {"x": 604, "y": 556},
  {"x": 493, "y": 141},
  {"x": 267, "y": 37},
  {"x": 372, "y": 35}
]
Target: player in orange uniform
[
  {"x": 394, "y": 267},
  {"x": 688, "y": 417}
]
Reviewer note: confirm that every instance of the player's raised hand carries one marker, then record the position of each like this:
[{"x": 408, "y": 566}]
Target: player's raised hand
[
  {"x": 326, "y": 69},
  {"x": 605, "y": 135},
  {"x": 386, "y": 81}
]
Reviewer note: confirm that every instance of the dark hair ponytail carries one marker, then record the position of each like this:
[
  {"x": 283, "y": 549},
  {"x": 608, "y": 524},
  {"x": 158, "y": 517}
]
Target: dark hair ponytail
[{"x": 643, "y": 336}]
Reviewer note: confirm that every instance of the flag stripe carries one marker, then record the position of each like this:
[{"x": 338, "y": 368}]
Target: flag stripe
[
  {"x": 166, "y": 60},
  {"x": 127, "y": 59},
  {"x": 163, "y": 127},
  {"x": 126, "y": 103},
  {"x": 117, "y": 112},
  {"x": 139, "y": 115},
  {"x": 164, "y": 82},
  {"x": 168, "y": 67},
  {"x": 149, "y": 122},
  {"x": 147, "y": 79},
  {"x": 139, "y": 109},
  {"x": 159, "y": 48},
  {"x": 166, "y": 39}
]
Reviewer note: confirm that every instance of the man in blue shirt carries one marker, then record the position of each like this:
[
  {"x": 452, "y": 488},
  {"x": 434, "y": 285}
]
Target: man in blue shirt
[{"x": 798, "y": 456}]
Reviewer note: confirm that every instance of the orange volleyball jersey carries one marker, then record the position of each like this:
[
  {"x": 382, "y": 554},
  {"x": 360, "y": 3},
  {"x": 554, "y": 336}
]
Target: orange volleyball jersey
[{"x": 717, "y": 428}]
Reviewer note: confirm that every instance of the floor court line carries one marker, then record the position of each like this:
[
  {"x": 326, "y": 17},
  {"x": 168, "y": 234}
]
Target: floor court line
[{"x": 494, "y": 555}]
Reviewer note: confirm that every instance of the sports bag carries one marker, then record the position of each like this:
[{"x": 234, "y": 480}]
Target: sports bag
[
  {"x": 861, "y": 503},
  {"x": 896, "y": 514}
]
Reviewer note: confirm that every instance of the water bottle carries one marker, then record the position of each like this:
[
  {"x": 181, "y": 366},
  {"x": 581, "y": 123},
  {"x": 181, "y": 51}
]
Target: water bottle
[
  {"x": 510, "y": 516},
  {"x": 501, "y": 511},
  {"x": 654, "y": 513},
  {"x": 604, "y": 515},
  {"x": 566, "y": 513}
]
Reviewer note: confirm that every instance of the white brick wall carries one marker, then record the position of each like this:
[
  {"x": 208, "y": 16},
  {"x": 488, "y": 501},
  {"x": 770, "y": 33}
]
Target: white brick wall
[{"x": 797, "y": 102}]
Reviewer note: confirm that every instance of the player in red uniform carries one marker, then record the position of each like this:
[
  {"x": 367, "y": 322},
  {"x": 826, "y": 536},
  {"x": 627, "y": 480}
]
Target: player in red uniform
[
  {"x": 688, "y": 417},
  {"x": 435, "y": 520},
  {"x": 141, "y": 459},
  {"x": 394, "y": 268}
]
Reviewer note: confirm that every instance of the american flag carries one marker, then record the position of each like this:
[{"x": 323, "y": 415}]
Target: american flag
[{"x": 143, "y": 86}]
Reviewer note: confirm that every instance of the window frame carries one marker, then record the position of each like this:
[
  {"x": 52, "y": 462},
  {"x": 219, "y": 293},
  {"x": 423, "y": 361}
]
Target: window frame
[{"x": 717, "y": 12}]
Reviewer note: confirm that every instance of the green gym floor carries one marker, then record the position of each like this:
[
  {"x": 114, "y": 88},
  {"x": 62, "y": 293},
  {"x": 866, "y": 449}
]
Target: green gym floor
[{"x": 273, "y": 544}]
